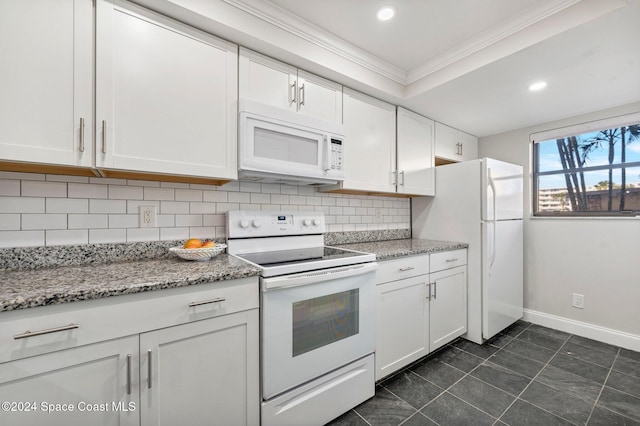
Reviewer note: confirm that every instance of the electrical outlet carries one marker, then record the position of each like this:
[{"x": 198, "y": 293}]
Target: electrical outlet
[
  {"x": 578, "y": 301},
  {"x": 148, "y": 217}
]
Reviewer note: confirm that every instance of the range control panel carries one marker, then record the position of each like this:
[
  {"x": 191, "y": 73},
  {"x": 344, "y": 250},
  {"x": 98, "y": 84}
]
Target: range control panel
[{"x": 249, "y": 224}]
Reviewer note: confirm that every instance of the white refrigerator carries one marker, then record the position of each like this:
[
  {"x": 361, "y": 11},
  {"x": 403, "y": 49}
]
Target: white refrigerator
[{"x": 480, "y": 202}]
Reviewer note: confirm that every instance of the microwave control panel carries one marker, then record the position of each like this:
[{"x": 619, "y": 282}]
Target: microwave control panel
[{"x": 336, "y": 154}]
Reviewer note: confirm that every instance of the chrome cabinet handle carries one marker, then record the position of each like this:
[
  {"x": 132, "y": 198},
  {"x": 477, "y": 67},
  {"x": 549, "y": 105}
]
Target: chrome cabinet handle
[
  {"x": 129, "y": 374},
  {"x": 206, "y": 302},
  {"x": 408, "y": 268},
  {"x": 47, "y": 331},
  {"x": 451, "y": 260},
  {"x": 428, "y": 291},
  {"x": 435, "y": 289},
  {"x": 302, "y": 95},
  {"x": 401, "y": 181},
  {"x": 394, "y": 178},
  {"x": 81, "y": 148},
  {"x": 460, "y": 149},
  {"x": 149, "y": 368},
  {"x": 104, "y": 137},
  {"x": 294, "y": 90}
]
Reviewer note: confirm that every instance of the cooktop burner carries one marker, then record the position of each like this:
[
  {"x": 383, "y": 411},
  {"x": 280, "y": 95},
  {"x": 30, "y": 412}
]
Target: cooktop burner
[{"x": 288, "y": 257}]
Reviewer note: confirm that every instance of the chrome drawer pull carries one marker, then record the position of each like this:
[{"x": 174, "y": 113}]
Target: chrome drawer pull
[
  {"x": 408, "y": 268},
  {"x": 129, "y": 374},
  {"x": 149, "y": 370},
  {"x": 451, "y": 260},
  {"x": 206, "y": 302},
  {"x": 47, "y": 331}
]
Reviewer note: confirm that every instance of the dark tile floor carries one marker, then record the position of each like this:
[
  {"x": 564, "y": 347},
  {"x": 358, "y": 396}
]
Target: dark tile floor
[{"x": 527, "y": 375}]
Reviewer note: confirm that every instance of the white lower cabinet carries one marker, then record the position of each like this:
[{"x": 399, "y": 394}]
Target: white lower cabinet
[
  {"x": 198, "y": 365},
  {"x": 418, "y": 311}
]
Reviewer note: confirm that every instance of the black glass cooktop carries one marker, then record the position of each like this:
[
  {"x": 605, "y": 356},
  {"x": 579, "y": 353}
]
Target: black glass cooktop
[{"x": 288, "y": 257}]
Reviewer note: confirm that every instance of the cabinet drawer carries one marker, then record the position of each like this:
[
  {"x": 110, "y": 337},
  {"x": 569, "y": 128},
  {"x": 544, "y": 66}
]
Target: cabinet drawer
[
  {"x": 448, "y": 259},
  {"x": 397, "y": 269},
  {"x": 113, "y": 317}
]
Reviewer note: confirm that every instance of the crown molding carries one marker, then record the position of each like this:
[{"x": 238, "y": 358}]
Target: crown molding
[{"x": 286, "y": 21}]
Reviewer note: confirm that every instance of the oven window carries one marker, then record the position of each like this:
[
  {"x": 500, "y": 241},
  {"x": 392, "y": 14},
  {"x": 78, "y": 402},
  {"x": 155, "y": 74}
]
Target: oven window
[{"x": 324, "y": 320}]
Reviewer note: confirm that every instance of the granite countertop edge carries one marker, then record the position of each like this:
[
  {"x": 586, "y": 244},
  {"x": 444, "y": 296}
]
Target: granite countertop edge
[{"x": 29, "y": 288}]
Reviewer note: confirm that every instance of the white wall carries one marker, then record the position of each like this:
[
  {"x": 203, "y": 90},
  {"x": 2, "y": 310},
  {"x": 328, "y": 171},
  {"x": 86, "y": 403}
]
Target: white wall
[
  {"x": 38, "y": 209},
  {"x": 599, "y": 258}
]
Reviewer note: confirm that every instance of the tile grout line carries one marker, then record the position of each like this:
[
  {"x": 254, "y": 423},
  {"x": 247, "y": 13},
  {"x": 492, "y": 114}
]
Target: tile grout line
[{"x": 595, "y": 403}]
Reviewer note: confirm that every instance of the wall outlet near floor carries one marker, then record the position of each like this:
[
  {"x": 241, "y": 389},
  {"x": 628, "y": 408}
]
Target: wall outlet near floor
[
  {"x": 578, "y": 301},
  {"x": 148, "y": 217}
]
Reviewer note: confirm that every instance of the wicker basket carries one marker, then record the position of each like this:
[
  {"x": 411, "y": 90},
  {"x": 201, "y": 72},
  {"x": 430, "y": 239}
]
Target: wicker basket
[{"x": 206, "y": 253}]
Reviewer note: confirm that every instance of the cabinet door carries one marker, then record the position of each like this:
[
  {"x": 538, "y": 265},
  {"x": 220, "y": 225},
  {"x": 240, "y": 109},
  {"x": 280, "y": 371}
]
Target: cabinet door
[
  {"x": 205, "y": 371},
  {"x": 319, "y": 98},
  {"x": 166, "y": 95},
  {"x": 448, "y": 307},
  {"x": 370, "y": 143},
  {"x": 267, "y": 81},
  {"x": 446, "y": 142},
  {"x": 416, "y": 166},
  {"x": 403, "y": 324},
  {"x": 94, "y": 380},
  {"x": 469, "y": 146},
  {"x": 46, "y": 81}
]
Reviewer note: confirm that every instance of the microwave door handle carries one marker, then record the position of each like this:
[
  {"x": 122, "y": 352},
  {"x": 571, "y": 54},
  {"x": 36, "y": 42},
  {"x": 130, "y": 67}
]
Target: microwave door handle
[{"x": 326, "y": 160}]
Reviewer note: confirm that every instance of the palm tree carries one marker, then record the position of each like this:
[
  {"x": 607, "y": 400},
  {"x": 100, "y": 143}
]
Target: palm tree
[{"x": 634, "y": 133}]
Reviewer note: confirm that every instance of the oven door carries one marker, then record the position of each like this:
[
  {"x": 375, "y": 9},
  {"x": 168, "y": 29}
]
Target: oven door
[{"x": 315, "y": 322}]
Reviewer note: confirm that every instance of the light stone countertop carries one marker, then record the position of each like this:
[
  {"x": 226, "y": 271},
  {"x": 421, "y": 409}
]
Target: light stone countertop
[
  {"x": 27, "y": 288},
  {"x": 391, "y": 249}
]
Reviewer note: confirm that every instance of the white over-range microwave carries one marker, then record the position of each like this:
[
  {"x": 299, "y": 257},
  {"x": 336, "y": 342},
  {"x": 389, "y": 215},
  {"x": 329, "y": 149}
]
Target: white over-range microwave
[{"x": 276, "y": 145}]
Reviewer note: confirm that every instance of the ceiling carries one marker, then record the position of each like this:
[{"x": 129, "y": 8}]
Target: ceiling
[{"x": 465, "y": 63}]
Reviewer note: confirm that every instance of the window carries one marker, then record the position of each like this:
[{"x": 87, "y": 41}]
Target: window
[{"x": 588, "y": 170}]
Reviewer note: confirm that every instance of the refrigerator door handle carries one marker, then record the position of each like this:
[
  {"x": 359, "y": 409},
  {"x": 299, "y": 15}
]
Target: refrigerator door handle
[{"x": 492, "y": 185}]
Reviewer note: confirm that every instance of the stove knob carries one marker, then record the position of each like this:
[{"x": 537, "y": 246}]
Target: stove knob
[
  {"x": 244, "y": 224},
  {"x": 316, "y": 222},
  {"x": 306, "y": 222},
  {"x": 256, "y": 223}
]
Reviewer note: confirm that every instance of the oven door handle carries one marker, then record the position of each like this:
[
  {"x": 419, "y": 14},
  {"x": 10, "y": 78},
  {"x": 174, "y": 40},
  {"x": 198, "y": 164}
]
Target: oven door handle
[{"x": 314, "y": 277}]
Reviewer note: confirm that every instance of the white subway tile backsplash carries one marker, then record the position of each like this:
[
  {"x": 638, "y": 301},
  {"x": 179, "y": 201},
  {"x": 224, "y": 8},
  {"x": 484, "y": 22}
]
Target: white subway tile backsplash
[
  {"x": 66, "y": 205},
  {"x": 214, "y": 196},
  {"x": 258, "y": 198},
  {"x": 174, "y": 207},
  {"x": 125, "y": 192},
  {"x": 143, "y": 234},
  {"x": 88, "y": 221},
  {"x": 174, "y": 234},
  {"x": 67, "y": 237},
  {"x": 107, "y": 206},
  {"x": 10, "y": 222},
  {"x": 101, "y": 236},
  {"x": 188, "y": 195},
  {"x": 202, "y": 208},
  {"x": 32, "y": 222},
  {"x": 87, "y": 190},
  {"x": 163, "y": 194},
  {"x": 124, "y": 221},
  {"x": 21, "y": 205},
  {"x": 188, "y": 220},
  {"x": 239, "y": 197},
  {"x": 68, "y": 209},
  {"x": 10, "y": 187},
  {"x": 21, "y": 238},
  {"x": 31, "y": 188}
]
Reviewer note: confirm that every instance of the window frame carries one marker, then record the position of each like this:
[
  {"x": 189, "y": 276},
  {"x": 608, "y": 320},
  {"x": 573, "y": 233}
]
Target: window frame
[{"x": 577, "y": 130}]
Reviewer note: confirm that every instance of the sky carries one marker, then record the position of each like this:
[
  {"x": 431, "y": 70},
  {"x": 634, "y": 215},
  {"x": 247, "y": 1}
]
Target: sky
[{"x": 550, "y": 160}]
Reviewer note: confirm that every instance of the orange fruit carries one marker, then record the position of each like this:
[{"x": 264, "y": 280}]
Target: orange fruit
[
  {"x": 208, "y": 244},
  {"x": 193, "y": 243}
]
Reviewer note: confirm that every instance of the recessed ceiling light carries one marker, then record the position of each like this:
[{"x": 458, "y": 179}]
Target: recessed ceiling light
[
  {"x": 537, "y": 86},
  {"x": 386, "y": 13}
]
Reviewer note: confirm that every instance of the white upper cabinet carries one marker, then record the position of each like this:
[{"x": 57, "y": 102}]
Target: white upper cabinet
[
  {"x": 454, "y": 145},
  {"x": 370, "y": 143},
  {"x": 46, "y": 82},
  {"x": 271, "y": 82},
  {"x": 415, "y": 149},
  {"x": 166, "y": 95}
]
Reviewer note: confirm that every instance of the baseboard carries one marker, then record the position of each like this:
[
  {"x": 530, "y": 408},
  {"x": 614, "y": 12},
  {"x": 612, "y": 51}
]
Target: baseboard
[{"x": 583, "y": 329}]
